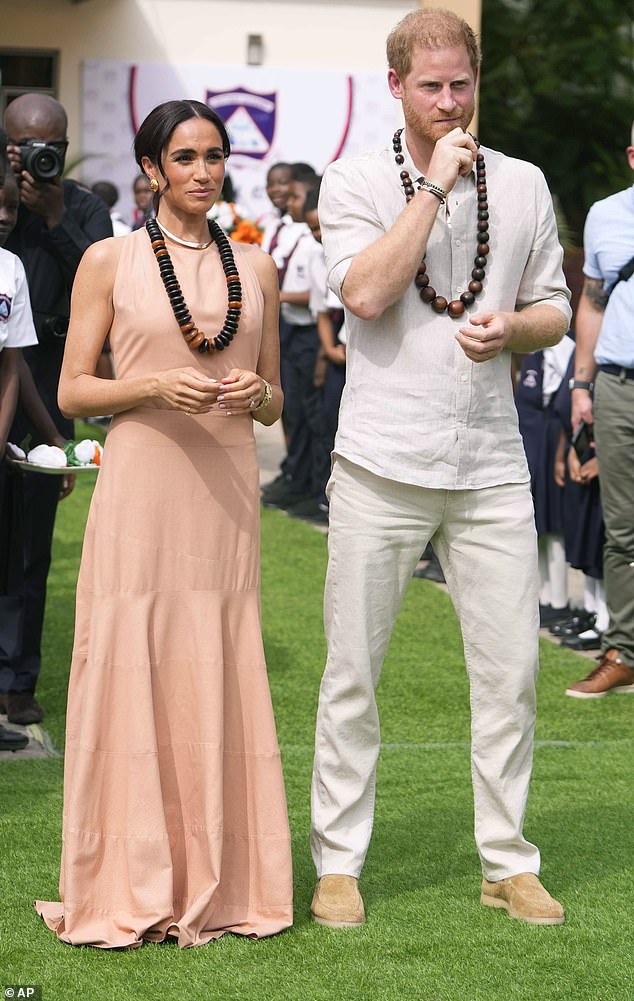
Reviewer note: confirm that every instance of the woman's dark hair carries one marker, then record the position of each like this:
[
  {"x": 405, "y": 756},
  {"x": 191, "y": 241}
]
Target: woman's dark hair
[
  {"x": 156, "y": 130},
  {"x": 228, "y": 193}
]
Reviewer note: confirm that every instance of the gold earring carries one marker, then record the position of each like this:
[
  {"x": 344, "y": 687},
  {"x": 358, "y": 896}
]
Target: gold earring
[{"x": 154, "y": 184}]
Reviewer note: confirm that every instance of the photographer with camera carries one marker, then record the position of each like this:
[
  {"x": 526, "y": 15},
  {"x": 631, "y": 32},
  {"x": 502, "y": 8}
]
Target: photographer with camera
[{"x": 57, "y": 221}]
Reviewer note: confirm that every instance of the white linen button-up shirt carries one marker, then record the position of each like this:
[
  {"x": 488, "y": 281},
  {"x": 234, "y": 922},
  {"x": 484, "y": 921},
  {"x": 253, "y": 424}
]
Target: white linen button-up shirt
[{"x": 415, "y": 409}]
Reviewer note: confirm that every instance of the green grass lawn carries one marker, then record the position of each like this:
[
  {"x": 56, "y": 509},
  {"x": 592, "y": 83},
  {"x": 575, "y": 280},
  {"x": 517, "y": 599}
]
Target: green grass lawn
[{"x": 427, "y": 937}]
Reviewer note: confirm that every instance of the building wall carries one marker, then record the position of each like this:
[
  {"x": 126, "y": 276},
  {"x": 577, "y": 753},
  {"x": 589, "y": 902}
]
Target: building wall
[{"x": 335, "y": 34}]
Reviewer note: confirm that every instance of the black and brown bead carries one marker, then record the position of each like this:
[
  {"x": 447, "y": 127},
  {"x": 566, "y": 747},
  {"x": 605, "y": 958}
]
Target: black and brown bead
[
  {"x": 406, "y": 181},
  {"x": 426, "y": 292},
  {"x": 195, "y": 337},
  {"x": 457, "y": 306}
]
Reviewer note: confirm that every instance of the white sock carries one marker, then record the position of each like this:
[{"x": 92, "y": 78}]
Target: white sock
[
  {"x": 603, "y": 615},
  {"x": 589, "y": 593},
  {"x": 558, "y": 571}
]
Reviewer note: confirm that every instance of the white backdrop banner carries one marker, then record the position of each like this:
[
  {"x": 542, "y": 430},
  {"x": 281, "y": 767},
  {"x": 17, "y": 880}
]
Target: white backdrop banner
[{"x": 272, "y": 115}]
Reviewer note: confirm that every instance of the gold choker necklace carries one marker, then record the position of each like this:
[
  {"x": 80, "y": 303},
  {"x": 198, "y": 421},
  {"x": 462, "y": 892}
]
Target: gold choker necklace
[{"x": 183, "y": 243}]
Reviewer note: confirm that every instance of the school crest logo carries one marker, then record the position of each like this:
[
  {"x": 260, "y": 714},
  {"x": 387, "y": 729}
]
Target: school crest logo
[
  {"x": 5, "y": 307},
  {"x": 249, "y": 118},
  {"x": 531, "y": 378}
]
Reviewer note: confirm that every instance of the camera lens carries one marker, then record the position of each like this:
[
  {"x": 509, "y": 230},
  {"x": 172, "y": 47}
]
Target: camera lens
[
  {"x": 41, "y": 161},
  {"x": 53, "y": 327}
]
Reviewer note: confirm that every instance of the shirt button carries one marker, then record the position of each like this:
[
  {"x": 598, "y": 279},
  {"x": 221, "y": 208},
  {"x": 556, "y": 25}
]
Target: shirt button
[
  {"x": 463, "y": 377},
  {"x": 458, "y": 243}
]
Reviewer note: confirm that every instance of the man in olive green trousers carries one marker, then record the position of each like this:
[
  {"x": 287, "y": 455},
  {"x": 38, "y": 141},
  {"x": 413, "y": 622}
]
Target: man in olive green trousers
[{"x": 603, "y": 396}]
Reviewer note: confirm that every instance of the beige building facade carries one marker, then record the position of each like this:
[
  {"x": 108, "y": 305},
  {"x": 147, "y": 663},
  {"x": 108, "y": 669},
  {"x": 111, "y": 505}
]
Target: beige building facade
[{"x": 323, "y": 34}]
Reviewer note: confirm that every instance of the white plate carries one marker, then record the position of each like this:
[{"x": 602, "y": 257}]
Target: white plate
[{"x": 33, "y": 467}]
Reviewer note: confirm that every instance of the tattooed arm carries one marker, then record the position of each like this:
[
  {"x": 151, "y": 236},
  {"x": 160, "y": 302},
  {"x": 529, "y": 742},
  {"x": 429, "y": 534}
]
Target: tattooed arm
[{"x": 588, "y": 324}]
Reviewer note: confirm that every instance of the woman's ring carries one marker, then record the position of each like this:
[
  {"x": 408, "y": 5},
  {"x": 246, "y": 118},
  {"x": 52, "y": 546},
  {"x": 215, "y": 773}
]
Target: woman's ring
[{"x": 251, "y": 402}]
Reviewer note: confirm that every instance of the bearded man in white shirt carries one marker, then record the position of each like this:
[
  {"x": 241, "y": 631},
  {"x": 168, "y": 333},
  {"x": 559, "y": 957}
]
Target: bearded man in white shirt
[{"x": 446, "y": 258}]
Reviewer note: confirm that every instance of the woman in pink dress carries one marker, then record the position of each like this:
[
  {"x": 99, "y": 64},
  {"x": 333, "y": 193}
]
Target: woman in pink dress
[{"x": 175, "y": 820}]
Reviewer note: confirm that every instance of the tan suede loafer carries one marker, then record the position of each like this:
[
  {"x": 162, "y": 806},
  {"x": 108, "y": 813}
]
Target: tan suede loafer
[
  {"x": 525, "y": 898},
  {"x": 337, "y": 902}
]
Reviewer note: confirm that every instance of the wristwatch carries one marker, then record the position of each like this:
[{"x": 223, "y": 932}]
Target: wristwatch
[
  {"x": 266, "y": 399},
  {"x": 580, "y": 384}
]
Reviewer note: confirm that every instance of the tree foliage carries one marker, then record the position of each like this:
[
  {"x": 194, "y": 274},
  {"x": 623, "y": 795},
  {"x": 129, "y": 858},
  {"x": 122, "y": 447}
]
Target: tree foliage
[{"x": 558, "y": 89}]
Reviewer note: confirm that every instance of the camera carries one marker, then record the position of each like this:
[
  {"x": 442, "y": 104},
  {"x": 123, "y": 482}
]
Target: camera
[
  {"x": 43, "y": 161},
  {"x": 52, "y": 328}
]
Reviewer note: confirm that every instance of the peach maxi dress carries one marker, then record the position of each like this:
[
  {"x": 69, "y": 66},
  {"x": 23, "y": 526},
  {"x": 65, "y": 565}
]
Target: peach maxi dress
[{"x": 174, "y": 811}]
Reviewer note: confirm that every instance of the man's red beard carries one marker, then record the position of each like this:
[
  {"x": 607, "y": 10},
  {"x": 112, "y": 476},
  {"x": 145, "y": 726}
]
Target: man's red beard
[{"x": 427, "y": 127}]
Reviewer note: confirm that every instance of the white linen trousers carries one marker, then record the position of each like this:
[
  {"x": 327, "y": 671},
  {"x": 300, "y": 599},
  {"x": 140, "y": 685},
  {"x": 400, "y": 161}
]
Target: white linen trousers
[{"x": 486, "y": 542}]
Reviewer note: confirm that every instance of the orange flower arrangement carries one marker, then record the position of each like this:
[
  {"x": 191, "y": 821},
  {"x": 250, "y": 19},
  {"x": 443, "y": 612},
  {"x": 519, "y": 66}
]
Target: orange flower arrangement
[
  {"x": 247, "y": 232},
  {"x": 228, "y": 216}
]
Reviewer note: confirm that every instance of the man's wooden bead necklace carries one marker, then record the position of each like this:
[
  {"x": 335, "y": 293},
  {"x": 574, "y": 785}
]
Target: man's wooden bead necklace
[
  {"x": 428, "y": 294},
  {"x": 195, "y": 337}
]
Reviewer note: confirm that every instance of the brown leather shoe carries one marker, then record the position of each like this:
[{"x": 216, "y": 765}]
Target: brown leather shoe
[
  {"x": 23, "y": 709},
  {"x": 525, "y": 898},
  {"x": 337, "y": 902},
  {"x": 610, "y": 675}
]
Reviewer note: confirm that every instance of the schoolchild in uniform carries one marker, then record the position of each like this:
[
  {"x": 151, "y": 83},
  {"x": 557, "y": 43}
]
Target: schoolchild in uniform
[
  {"x": 584, "y": 532},
  {"x": 279, "y": 238},
  {"x": 330, "y": 371},
  {"x": 278, "y": 179},
  {"x": 540, "y": 377},
  {"x": 306, "y": 465},
  {"x": 280, "y": 232}
]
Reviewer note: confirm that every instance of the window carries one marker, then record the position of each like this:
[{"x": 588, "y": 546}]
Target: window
[{"x": 24, "y": 71}]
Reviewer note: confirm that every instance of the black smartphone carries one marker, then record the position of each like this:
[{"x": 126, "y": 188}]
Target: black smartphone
[{"x": 583, "y": 441}]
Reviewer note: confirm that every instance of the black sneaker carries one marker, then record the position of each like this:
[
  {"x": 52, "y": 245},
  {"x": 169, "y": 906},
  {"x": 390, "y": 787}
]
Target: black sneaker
[
  {"x": 549, "y": 615},
  {"x": 273, "y": 485},
  {"x": 23, "y": 708},
  {"x": 285, "y": 500},
  {"x": 280, "y": 492},
  {"x": 11, "y": 740},
  {"x": 588, "y": 640},
  {"x": 311, "y": 510},
  {"x": 574, "y": 625},
  {"x": 433, "y": 571}
]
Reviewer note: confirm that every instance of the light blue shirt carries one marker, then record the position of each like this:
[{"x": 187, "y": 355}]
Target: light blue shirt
[{"x": 608, "y": 240}]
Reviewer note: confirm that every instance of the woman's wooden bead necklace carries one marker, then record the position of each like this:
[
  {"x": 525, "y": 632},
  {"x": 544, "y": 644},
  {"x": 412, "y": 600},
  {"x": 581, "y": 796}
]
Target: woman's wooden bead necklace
[
  {"x": 428, "y": 294},
  {"x": 195, "y": 337}
]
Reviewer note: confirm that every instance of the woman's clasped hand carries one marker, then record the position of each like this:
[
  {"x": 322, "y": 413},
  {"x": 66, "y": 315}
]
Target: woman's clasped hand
[{"x": 187, "y": 389}]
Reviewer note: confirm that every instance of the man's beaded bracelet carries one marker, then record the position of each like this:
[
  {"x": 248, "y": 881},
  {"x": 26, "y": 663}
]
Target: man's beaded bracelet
[{"x": 434, "y": 189}]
